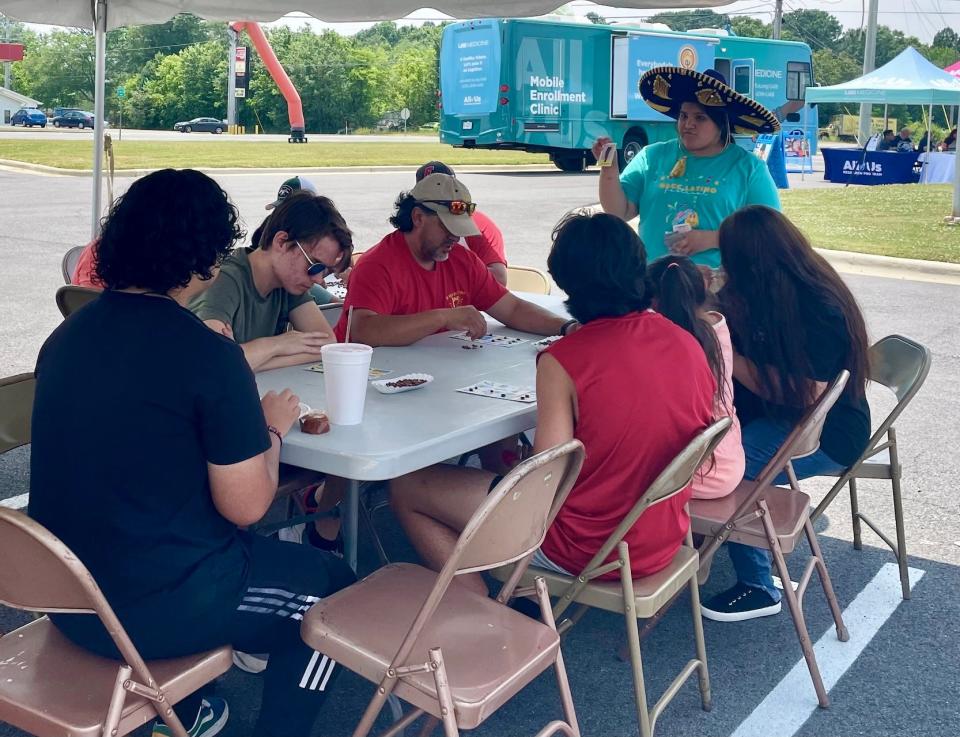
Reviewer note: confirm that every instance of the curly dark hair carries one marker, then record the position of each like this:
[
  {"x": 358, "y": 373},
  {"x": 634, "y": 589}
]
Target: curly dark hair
[
  {"x": 600, "y": 262},
  {"x": 402, "y": 219},
  {"x": 307, "y": 217},
  {"x": 169, "y": 226}
]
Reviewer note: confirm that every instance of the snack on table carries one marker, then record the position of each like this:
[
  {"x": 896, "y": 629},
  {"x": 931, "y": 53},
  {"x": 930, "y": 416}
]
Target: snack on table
[
  {"x": 314, "y": 423},
  {"x": 401, "y": 383}
]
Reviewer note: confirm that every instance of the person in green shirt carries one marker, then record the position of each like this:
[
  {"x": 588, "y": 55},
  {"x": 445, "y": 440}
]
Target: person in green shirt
[
  {"x": 261, "y": 298},
  {"x": 683, "y": 188}
]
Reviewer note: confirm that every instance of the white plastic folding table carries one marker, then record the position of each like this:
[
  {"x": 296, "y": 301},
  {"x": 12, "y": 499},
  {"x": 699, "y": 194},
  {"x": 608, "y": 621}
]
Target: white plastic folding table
[{"x": 408, "y": 431}]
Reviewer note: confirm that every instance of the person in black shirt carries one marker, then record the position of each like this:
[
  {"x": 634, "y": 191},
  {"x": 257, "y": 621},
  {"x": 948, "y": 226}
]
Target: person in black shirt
[
  {"x": 795, "y": 326},
  {"x": 151, "y": 448}
]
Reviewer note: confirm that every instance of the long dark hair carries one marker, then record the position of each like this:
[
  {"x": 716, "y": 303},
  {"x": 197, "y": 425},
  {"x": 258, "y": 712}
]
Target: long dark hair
[
  {"x": 677, "y": 286},
  {"x": 772, "y": 271}
]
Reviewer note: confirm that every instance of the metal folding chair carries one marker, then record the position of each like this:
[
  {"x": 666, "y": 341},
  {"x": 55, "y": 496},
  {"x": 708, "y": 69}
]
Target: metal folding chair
[
  {"x": 69, "y": 263},
  {"x": 71, "y": 298},
  {"x": 527, "y": 279},
  {"x": 639, "y": 598},
  {"x": 765, "y": 516},
  {"x": 901, "y": 365},
  {"x": 455, "y": 655}
]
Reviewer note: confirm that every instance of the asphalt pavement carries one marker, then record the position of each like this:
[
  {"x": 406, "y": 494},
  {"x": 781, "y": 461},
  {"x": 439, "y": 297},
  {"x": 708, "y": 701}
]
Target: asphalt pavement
[
  {"x": 133, "y": 134},
  {"x": 898, "y": 675}
]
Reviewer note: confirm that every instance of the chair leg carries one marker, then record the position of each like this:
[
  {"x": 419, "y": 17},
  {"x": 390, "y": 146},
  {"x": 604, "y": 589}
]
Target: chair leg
[
  {"x": 367, "y": 517},
  {"x": 447, "y": 713},
  {"x": 429, "y": 724},
  {"x": 855, "y": 516},
  {"x": 796, "y": 611},
  {"x": 901, "y": 550},
  {"x": 633, "y": 643},
  {"x": 374, "y": 707},
  {"x": 842, "y": 633},
  {"x": 703, "y": 672},
  {"x": 563, "y": 683}
]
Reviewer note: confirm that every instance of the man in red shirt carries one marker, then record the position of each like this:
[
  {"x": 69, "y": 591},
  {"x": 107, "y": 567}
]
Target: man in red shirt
[
  {"x": 489, "y": 244},
  {"x": 419, "y": 280}
]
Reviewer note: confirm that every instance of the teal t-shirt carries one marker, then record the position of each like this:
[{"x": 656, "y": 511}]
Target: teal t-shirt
[{"x": 710, "y": 188}]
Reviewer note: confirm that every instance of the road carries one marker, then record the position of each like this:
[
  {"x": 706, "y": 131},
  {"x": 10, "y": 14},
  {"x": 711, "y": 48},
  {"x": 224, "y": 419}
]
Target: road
[
  {"x": 899, "y": 675},
  {"x": 73, "y": 134}
]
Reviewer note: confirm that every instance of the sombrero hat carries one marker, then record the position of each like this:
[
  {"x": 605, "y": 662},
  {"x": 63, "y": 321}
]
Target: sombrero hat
[{"x": 665, "y": 89}]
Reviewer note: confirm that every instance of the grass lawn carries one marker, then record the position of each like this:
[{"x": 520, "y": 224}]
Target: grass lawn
[
  {"x": 239, "y": 154},
  {"x": 903, "y": 220}
]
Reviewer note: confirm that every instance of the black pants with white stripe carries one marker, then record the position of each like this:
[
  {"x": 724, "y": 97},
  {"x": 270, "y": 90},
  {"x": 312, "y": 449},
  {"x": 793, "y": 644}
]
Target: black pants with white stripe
[{"x": 283, "y": 581}]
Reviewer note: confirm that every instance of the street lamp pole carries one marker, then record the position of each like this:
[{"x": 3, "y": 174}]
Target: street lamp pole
[{"x": 869, "y": 62}]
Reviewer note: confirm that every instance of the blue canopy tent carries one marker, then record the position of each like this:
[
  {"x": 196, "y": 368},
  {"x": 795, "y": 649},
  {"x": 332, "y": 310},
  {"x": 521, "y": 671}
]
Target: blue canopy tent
[{"x": 907, "y": 79}]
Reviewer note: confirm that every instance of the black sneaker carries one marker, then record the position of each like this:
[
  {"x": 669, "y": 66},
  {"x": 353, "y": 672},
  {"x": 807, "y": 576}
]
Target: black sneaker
[{"x": 739, "y": 603}]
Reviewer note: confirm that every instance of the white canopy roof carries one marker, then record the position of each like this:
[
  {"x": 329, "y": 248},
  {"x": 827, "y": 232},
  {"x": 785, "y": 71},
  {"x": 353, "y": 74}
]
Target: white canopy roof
[{"x": 132, "y": 12}]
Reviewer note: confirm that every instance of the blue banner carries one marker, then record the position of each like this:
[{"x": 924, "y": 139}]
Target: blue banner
[
  {"x": 470, "y": 68},
  {"x": 856, "y": 166},
  {"x": 646, "y": 52},
  {"x": 796, "y": 143}
]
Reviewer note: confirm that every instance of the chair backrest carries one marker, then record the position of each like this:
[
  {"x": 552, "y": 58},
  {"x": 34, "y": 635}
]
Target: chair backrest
[
  {"x": 16, "y": 410},
  {"x": 811, "y": 425},
  {"x": 899, "y": 364},
  {"x": 71, "y": 298},
  {"x": 332, "y": 311},
  {"x": 527, "y": 279},
  {"x": 69, "y": 263},
  {"x": 672, "y": 480},
  {"x": 41, "y": 574},
  {"x": 355, "y": 256}
]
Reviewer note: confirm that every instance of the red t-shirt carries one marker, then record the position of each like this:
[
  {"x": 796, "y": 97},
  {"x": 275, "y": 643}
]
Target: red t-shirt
[
  {"x": 83, "y": 274},
  {"x": 388, "y": 281},
  {"x": 644, "y": 390},
  {"x": 489, "y": 244}
]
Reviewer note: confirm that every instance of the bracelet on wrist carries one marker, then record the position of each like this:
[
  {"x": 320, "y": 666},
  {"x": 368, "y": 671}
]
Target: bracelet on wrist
[
  {"x": 565, "y": 328},
  {"x": 275, "y": 431}
]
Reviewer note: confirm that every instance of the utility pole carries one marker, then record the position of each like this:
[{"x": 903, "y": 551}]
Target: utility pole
[
  {"x": 7, "y": 65},
  {"x": 869, "y": 61},
  {"x": 777, "y": 19},
  {"x": 231, "y": 80}
]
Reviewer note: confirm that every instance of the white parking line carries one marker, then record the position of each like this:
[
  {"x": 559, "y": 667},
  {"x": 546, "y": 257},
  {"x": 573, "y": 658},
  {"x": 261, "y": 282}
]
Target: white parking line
[
  {"x": 793, "y": 700},
  {"x": 15, "y": 502}
]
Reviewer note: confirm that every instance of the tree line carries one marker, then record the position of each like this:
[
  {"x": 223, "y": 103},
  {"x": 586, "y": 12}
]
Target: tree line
[{"x": 178, "y": 70}]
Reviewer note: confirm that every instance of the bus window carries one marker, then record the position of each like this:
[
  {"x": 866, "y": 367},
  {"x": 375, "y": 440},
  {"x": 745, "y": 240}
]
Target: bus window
[
  {"x": 798, "y": 79},
  {"x": 743, "y": 80},
  {"x": 722, "y": 66}
]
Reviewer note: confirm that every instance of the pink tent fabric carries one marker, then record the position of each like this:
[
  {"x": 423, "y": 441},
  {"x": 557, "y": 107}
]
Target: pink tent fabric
[{"x": 954, "y": 69}]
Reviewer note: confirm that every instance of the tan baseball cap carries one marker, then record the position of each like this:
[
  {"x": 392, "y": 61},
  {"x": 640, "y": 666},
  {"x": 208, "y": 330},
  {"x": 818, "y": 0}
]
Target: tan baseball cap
[{"x": 445, "y": 195}]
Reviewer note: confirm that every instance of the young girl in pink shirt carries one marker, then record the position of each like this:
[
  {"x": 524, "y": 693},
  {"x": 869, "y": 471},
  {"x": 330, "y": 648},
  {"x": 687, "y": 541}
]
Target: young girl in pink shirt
[{"x": 680, "y": 295}]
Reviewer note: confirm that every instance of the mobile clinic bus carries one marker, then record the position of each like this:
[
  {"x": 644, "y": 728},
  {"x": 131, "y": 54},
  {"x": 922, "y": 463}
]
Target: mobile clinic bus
[{"x": 555, "y": 87}]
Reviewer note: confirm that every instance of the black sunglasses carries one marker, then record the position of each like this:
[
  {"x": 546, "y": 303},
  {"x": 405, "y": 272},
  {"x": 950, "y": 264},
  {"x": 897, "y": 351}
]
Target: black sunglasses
[{"x": 314, "y": 268}]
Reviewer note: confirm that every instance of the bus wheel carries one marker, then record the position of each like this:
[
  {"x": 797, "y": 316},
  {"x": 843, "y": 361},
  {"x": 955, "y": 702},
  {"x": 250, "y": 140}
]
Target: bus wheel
[
  {"x": 632, "y": 144},
  {"x": 569, "y": 162}
]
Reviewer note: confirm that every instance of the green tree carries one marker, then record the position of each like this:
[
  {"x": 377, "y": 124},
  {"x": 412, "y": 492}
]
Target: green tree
[
  {"x": 58, "y": 69},
  {"x": 594, "y": 17},
  {"x": 947, "y": 38},
  {"x": 751, "y": 27},
  {"x": 684, "y": 20},
  {"x": 129, "y": 48},
  {"x": 817, "y": 28}
]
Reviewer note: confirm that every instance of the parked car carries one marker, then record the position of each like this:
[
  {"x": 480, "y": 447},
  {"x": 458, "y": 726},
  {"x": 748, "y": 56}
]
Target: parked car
[
  {"x": 29, "y": 117},
  {"x": 74, "y": 119},
  {"x": 64, "y": 110},
  {"x": 201, "y": 125}
]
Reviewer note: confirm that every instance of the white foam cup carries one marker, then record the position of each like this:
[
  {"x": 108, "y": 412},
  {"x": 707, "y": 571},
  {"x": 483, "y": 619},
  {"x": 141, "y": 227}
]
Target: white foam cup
[{"x": 346, "y": 367}]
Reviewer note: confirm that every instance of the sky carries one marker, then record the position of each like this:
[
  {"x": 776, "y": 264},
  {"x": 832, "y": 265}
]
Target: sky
[{"x": 920, "y": 18}]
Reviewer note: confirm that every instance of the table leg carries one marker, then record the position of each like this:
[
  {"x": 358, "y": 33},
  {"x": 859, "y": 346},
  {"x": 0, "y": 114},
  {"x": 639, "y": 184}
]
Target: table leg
[{"x": 351, "y": 512}]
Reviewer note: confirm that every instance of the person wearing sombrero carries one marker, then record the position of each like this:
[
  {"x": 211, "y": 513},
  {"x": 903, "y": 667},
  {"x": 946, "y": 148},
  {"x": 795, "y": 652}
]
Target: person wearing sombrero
[{"x": 683, "y": 188}]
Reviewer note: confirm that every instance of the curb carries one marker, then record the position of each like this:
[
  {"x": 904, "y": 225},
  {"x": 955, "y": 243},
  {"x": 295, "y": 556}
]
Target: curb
[
  {"x": 472, "y": 168},
  {"x": 911, "y": 269}
]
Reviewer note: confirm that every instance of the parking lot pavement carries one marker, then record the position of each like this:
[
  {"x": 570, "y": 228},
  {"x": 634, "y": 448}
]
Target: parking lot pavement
[
  {"x": 132, "y": 134},
  {"x": 898, "y": 675}
]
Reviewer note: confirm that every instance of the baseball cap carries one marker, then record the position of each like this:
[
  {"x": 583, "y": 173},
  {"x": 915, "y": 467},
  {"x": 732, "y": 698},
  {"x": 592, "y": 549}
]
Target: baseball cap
[
  {"x": 434, "y": 167},
  {"x": 434, "y": 190},
  {"x": 293, "y": 184}
]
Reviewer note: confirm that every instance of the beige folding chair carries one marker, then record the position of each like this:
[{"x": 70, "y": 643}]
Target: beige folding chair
[
  {"x": 16, "y": 399},
  {"x": 639, "y": 598},
  {"x": 69, "y": 263},
  {"x": 51, "y": 687},
  {"x": 765, "y": 516},
  {"x": 455, "y": 655},
  {"x": 527, "y": 279},
  {"x": 901, "y": 365},
  {"x": 71, "y": 298}
]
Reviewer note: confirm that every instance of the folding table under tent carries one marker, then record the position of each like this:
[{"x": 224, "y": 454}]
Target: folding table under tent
[
  {"x": 104, "y": 15},
  {"x": 907, "y": 79}
]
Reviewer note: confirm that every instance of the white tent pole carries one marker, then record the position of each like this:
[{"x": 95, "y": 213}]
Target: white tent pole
[
  {"x": 100, "y": 41},
  {"x": 869, "y": 61},
  {"x": 956, "y": 175},
  {"x": 930, "y": 128}
]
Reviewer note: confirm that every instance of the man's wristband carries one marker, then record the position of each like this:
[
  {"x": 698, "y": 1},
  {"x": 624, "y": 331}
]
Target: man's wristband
[
  {"x": 567, "y": 325},
  {"x": 275, "y": 431}
]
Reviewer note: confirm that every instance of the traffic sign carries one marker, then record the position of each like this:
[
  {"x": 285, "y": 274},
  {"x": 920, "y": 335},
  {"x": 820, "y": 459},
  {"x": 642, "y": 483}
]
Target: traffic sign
[
  {"x": 121, "y": 92},
  {"x": 405, "y": 114},
  {"x": 240, "y": 92}
]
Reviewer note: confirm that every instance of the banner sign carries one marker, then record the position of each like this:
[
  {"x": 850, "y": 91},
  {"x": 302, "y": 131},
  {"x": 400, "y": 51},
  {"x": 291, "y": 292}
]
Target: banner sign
[
  {"x": 470, "y": 68},
  {"x": 764, "y": 145},
  {"x": 796, "y": 144},
  {"x": 646, "y": 52}
]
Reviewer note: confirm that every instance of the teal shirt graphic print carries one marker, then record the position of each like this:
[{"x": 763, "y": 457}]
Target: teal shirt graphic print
[{"x": 708, "y": 189}]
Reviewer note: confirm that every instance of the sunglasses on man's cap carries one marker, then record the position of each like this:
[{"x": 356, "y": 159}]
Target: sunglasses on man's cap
[{"x": 456, "y": 207}]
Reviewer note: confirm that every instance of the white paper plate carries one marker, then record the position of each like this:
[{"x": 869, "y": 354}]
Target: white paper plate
[{"x": 381, "y": 385}]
